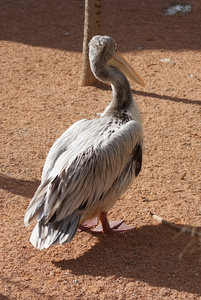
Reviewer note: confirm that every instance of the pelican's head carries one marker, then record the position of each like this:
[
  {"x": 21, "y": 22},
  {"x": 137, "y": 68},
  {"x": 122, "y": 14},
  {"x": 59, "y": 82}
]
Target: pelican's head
[{"x": 103, "y": 53}]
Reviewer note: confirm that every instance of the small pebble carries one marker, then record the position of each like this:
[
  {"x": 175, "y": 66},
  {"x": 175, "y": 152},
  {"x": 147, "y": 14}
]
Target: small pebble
[
  {"x": 178, "y": 9},
  {"x": 165, "y": 60},
  {"x": 76, "y": 281}
]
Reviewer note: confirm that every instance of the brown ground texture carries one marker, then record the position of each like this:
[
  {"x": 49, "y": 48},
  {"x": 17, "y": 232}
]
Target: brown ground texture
[{"x": 41, "y": 96}]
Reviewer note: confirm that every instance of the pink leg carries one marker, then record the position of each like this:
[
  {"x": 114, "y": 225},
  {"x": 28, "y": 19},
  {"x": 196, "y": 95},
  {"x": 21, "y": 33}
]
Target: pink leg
[{"x": 105, "y": 224}]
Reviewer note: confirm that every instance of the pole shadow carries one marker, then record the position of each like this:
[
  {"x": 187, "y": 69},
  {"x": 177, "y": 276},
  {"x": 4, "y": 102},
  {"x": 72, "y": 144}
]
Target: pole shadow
[
  {"x": 25, "y": 188},
  {"x": 106, "y": 87},
  {"x": 165, "y": 97}
]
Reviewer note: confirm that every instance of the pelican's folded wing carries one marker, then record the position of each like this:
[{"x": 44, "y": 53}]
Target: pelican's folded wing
[{"x": 91, "y": 174}]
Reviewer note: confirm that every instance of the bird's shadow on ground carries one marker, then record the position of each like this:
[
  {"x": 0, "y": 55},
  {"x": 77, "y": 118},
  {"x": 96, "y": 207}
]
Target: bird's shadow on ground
[{"x": 154, "y": 254}]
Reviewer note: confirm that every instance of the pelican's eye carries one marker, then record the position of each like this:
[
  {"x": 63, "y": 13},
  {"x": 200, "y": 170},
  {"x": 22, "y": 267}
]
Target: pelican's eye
[{"x": 115, "y": 48}]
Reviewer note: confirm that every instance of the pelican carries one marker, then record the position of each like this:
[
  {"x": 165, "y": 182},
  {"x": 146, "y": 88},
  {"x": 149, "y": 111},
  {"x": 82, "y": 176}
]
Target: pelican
[{"x": 94, "y": 161}]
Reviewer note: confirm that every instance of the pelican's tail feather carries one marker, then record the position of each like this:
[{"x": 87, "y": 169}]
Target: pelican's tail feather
[
  {"x": 36, "y": 205},
  {"x": 45, "y": 235}
]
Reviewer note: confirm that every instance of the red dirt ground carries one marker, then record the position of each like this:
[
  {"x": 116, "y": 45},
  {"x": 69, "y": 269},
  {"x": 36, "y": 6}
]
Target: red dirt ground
[{"x": 41, "y": 96}]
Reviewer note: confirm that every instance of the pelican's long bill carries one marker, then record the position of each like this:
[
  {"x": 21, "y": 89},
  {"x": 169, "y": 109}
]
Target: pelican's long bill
[{"x": 119, "y": 62}]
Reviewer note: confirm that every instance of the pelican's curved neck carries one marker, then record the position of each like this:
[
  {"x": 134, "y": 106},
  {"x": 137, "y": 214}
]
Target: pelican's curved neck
[
  {"x": 120, "y": 85},
  {"x": 122, "y": 96}
]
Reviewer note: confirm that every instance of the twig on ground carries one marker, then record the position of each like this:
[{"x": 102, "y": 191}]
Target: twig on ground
[{"x": 192, "y": 231}]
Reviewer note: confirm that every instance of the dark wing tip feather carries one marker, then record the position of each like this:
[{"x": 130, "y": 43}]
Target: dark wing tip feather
[{"x": 137, "y": 156}]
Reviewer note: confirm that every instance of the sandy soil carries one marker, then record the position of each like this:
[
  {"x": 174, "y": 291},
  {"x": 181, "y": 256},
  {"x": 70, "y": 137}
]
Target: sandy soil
[{"x": 41, "y": 96}]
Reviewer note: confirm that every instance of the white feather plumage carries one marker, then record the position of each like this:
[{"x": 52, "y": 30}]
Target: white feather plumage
[{"x": 85, "y": 172}]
